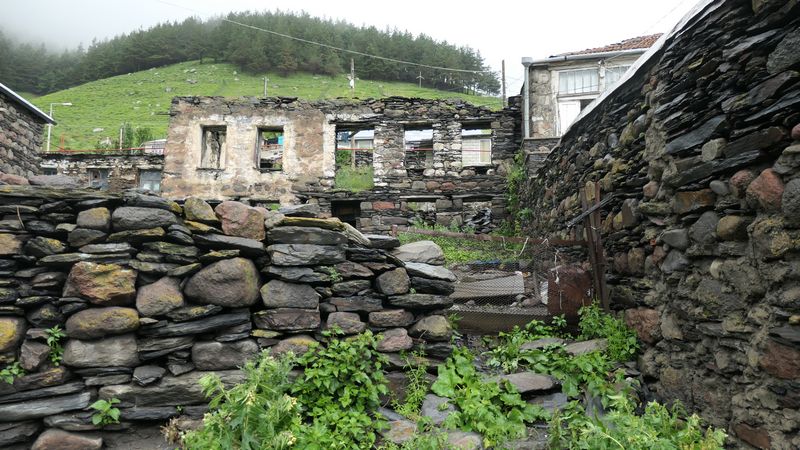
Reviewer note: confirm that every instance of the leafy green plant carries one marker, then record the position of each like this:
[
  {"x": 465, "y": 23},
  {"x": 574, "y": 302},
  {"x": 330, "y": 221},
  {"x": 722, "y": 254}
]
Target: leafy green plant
[
  {"x": 106, "y": 413},
  {"x": 11, "y": 372},
  {"x": 509, "y": 354},
  {"x": 54, "y": 337},
  {"x": 339, "y": 392},
  {"x": 255, "y": 414},
  {"x": 334, "y": 274},
  {"x": 622, "y": 341},
  {"x": 426, "y": 438},
  {"x": 417, "y": 388},
  {"x": 492, "y": 409},
  {"x": 658, "y": 428}
]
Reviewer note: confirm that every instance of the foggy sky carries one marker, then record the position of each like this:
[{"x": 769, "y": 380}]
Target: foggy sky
[{"x": 500, "y": 30}]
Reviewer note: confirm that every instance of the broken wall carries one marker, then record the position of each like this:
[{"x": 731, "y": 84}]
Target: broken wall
[
  {"x": 700, "y": 153},
  {"x": 123, "y": 170}
]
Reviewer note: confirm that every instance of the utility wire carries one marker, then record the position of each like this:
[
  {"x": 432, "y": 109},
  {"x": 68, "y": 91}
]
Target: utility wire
[{"x": 353, "y": 52}]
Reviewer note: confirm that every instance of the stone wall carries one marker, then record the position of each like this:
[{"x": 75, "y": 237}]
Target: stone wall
[
  {"x": 153, "y": 295},
  {"x": 123, "y": 168},
  {"x": 20, "y": 139},
  {"x": 700, "y": 151},
  {"x": 309, "y": 165}
]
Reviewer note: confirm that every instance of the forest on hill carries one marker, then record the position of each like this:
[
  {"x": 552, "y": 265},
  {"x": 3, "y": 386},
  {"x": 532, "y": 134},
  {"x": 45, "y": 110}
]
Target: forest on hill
[{"x": 36, "y": 69}]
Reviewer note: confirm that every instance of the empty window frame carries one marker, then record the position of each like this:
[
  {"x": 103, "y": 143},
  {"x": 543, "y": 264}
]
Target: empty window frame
[
  {"x": 150, "y": 180},
  {"x": 98, "y": 178},
  {"x": 580, "y": 81},
  {"x": 476, "y": 146},
  {"x": 212, "y": 146},
  {"x": 49, "y": 171},
  {"x": 269, "y": 149},
  {"x": 418, "y": 144},
  {"x": 354, "y": 146}
]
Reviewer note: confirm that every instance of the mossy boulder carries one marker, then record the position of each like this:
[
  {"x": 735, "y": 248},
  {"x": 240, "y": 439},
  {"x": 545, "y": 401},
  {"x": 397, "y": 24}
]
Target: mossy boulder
[
  {"x": 95, "y": 323},
  {"x": 101, "y": 284}
]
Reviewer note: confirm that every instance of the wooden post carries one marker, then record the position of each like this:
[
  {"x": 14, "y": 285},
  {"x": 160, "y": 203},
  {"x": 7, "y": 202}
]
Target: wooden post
[{"x": 594, "y": 245}]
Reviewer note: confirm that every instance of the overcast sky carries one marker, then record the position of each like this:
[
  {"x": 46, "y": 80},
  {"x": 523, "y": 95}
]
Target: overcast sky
[{"x": 498, "y": 29}]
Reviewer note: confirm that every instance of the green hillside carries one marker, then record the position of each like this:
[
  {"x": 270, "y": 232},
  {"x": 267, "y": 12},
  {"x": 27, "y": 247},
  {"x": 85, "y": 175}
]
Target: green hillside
[{"x": 142, "y": 99}]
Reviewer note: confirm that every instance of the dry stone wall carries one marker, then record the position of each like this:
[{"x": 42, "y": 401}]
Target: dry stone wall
[
  {"x": 152, "y": 295},
  {"x": 700, "y": 153},
  {"x": 20, "y": 140}
]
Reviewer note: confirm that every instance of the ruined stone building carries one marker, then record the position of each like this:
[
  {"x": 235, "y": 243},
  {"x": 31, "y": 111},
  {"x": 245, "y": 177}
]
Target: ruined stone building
[
  {"x": 21, "y": 131},
  {"x": 433, "y": 160},
  {"x": 112, "y": 170}
]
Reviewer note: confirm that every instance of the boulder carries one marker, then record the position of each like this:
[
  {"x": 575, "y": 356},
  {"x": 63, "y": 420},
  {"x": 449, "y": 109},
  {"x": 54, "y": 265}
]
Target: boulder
[
  {"x": 272, "y": 219},
  {"x": 349, "y": 323},
  {"x": 305, "y": 235},
  {"x": 232, "y": 283},
  {"x": 350, "y": 288},
  {"x": 95, "y": 323},
  {"x": 32, "y": 355},
  {"x": 358, "y": 303},
  {"x": 10, "y": 244},
  {"x": 223, "y": 355},
  {"x": 288, "y": 319},
  {"x": 580, "y": 348},
  {"x": 299, "y": 345},
  {"x": 55, "y": 439},
  {"x": 465, "y": 440},
  {"x": 248, "y": 247},
  {"x": 394, "y": 340},
  {"x": 765, "y": 191},
  {"x": 12, "y": 331},
  {"x": 420, "y": 301},
  {"x": 296, "y": 274},
  {"x": 732, "y": 228},
  {"x": 393, "y": 282},
  {"x": 432, "y": 328},
  {"x": 101, "y": 284},
  {"x": 144, "y": 375},
  {"x": 60, "y": 181},
  {"x": 41, "y": 246},
  {"x": 198, "y": 210},
  {"x": 112, "y": 351},
  {"x": 280, "y": 294},
  {"x": 427, "y": 252},
  {"x": 305, "y": 254},
  {"x": 436, "y": 408},
  {"x": 37, "y": 408},
  {"x": 95, "y": 219},
  {"x": 304, "y": 210},
  {"x": 430, "y": 286},
  {"x": 429, "y": 271},
  {"x": 13, "y": 432},
  {"x": 382, "y": 241},
  {"x": 391, "y": 318},
  {"x": 677, "y": 238},
  {"x": 525, "y": 382},
  {"x": 137, "y": 218},
  {"x": 241, "y": 220},
  {"x": 16, "y": 180},
  {"x": 159, "y": 298},
  {"x": 349, "y": 269}
]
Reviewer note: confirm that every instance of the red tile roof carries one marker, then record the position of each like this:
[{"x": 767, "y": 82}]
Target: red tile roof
[{"x": 642, "y": 42}]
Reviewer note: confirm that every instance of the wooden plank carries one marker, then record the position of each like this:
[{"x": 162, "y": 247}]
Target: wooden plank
[
  {"x": 592, "y": 209},
  {"x": 601, "y": 258}
]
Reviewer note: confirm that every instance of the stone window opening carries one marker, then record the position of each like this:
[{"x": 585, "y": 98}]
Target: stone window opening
[
  {"x": 476, "y": 145},
  {"x": 49, "y": 171},
  {"x": 150, "y": 180},
  {"x": 354, "y": 146},
  {"x": 212, "y": 145},
  {"x": 418, "y": 145},
  {"x": 98, "y": 178},
  {"x": 269, "y": 149},
  {"x": 348, "y": 211}
]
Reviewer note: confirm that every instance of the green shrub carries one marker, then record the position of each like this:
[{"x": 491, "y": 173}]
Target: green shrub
[
  {"x": 354, "y": 179},
  {"x": 622, "y": 341},
  {"x": 256, "y": 414},
  {"x": 107, "y": 413},
  {"x": 54, "y": 337},
  {"x": 339, "y": 392},
  {"x": 492, "y": 409},
  {"x": 658, "y": 428},
  {"x": 509, "y": 356},
  {"x": 11, "y": 372},
  {"x": 417, "y": 388}
]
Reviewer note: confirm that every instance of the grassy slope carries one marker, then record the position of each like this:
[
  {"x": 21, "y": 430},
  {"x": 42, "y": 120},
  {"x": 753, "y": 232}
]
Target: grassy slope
[{"x": 142, "y": 99}]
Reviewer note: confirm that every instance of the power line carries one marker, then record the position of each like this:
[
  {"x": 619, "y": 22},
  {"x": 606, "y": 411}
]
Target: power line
[{"x": 353, "y": 52}]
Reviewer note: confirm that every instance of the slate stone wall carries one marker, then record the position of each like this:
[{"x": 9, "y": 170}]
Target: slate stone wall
[
  {"x": 153, "y": 295},
  {"x": 20, "y": 139},
  {"x": 700, "y": 152}
]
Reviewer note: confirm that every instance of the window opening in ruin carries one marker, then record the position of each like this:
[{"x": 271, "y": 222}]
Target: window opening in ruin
[
  {"x": 354, "y": 146},
  {"x": 150, "y": 180},
  {"x": 580, "y": 81},
  {"x": 418, "y": 144},
  {"x": 424, "y": 211},
  {"x": 98, "y": 178},
  {"x": 269, "y": 149},
  {"x": 476, "y": 146},
  {"x": 49, "y": 171},
  {"x": 348, "y": 211},
  {"x": 213, "y": 143}
]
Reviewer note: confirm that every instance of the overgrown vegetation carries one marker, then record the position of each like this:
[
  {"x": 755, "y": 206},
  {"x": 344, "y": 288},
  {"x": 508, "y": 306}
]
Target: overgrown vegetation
[
  {"x": 255, "y": 414},
  {"x": 54, "y": 337},
  {"x": 518, "y": 215},
  {"x": 495, "y": 410},
  {"x": 106, "y": 413},
  {"x": 416, "y": 370},
  {"x": 11, "y": 372},
  {"x": 461, "y": 250},
  {"x": 622, "y": 341},
  {"x": 339, "y": 393},
  {"x": 355, "y": 179}
]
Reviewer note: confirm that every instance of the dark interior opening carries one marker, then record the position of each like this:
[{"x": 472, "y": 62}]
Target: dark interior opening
[{"x": 348, "y": 211}]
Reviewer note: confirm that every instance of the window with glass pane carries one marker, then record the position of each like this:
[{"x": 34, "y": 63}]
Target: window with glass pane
[
  {"x": 476, "y": 151},
  {"x": 578, "y": 81},
  {"x": 150, "y": 180},
  {"x": 613, "y": 74}
]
